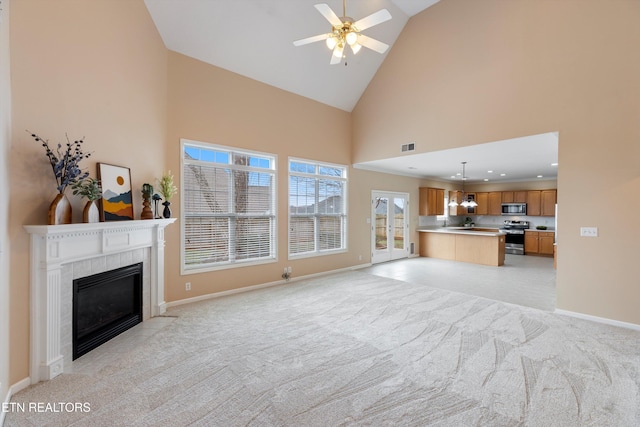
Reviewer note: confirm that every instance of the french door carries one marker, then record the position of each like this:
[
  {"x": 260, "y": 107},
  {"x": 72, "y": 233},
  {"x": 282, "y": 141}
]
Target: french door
[{"x": 390, "y": 226}]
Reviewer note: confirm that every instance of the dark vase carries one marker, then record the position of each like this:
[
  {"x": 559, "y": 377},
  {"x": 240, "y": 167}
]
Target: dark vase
[{"x": 167, "y": 211}]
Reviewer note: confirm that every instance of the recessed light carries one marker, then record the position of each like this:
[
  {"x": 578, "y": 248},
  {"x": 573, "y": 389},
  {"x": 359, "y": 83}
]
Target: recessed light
[
  {"x": 554, "y": 164},
  {"x": 489, "y": 171},
  {"x": 503, "y": 174},
  {"x": 486, "y": 179},
  {"x": 539, "y": 176}
]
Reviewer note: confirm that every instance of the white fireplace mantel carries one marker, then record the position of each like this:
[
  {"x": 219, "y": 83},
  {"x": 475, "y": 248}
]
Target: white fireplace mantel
[{"x": 52, "y": 247}]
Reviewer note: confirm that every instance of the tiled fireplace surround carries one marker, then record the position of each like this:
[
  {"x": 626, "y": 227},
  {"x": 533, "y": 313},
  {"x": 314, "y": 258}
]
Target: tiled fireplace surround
[{"x": 63, "y": 253}]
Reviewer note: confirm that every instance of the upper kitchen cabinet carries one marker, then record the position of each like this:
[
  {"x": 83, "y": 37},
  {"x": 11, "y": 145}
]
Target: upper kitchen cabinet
[
  {"x": 459, "y": 197},
  {"x": 541, "y": 202},
  {"x": 482, "y": 199},
  {"x": 533, "y": 202},
  {"x": 548, "y": 199},
  {"x": 431, "y": 201},
  {"x": 495, "y": 203},
  {"x": 514, "y": 197},
  {"x": 456, "y": 210}
]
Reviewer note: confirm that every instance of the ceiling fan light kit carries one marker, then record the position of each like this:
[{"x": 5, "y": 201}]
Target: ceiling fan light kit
[{"x": 347, "y": 32}]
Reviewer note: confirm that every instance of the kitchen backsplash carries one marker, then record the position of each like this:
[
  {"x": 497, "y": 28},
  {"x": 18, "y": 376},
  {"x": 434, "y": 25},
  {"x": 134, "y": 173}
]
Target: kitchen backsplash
[{"x": 487, "y": 220}]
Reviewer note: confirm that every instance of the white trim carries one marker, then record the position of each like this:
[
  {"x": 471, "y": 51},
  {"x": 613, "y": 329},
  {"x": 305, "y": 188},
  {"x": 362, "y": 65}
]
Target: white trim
[
  {"x": 259, "y": 286},
  {"x": 273, "y": 170},
  {"x": 391, "y": 252},
  {"x": 344, "y": 216},
  {"x": 17, "y": 387},
  {"x": 597, "y": 319}
]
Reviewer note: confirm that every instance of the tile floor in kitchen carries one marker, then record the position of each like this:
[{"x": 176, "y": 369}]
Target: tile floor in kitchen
[{"x": 523, "y": 279}]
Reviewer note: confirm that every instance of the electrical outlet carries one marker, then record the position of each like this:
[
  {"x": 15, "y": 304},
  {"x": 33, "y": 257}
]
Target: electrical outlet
[
  {"x": 289, "y": 270},
  {"x": 187, "y": 286},
  {"x": 589, "y": 231}
]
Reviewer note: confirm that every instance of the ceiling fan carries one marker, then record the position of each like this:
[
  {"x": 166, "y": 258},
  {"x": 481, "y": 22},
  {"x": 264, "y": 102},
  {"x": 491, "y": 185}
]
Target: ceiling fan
[{"x": 345, "y": 31}]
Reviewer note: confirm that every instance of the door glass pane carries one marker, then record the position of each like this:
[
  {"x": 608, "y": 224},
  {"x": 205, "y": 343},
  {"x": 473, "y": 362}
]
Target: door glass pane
[
  {"x": 398, "y": 221},
  {"x": 381, "y": 206}
]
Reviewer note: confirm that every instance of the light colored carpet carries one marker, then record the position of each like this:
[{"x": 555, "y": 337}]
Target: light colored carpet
[{"x": 356, "y": 349}]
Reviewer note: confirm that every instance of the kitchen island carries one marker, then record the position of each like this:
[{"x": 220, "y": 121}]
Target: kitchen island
[{"x": 476, "y": 245}]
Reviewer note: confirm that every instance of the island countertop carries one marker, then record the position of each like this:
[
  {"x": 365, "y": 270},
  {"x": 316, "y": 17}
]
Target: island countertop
[{"x": 478, "y": 231}]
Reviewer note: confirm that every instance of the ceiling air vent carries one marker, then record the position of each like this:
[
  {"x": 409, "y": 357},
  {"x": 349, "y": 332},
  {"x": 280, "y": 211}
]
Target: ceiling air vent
[{"x": 409, "y": 147}]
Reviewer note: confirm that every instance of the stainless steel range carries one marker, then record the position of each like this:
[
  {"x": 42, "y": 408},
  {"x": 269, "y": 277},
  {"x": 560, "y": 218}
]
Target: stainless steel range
[{"x": 514, "y": 240}]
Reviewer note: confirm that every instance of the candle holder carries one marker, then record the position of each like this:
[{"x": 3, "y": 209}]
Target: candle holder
[
  {"x": 147, "y": 191},
  {"x": 156, "y": 200}
]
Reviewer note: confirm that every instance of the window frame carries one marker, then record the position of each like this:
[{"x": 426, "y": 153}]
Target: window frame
[
  {"x": 344, "y": 215},
  {"x": 273, "y": 215}
]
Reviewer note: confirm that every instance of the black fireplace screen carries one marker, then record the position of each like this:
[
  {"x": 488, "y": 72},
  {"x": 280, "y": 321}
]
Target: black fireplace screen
[{"x": 104, "y": 306}]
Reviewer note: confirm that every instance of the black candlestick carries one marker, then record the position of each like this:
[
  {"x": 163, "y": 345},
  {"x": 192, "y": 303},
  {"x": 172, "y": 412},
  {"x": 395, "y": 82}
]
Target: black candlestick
[{"x": 156, "y": 199}]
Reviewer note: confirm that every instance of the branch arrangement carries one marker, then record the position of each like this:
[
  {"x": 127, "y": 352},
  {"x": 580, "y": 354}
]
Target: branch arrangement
[{"x": 65, "y": 162}]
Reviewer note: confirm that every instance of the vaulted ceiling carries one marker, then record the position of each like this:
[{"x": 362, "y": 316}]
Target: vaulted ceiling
[{"x": 254, "y": 38}]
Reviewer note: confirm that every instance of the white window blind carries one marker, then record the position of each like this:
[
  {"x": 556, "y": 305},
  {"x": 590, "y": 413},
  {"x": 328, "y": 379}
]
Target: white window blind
[
  {"x": 228, "y": 206},
  {"x": 317, "y": 208}
]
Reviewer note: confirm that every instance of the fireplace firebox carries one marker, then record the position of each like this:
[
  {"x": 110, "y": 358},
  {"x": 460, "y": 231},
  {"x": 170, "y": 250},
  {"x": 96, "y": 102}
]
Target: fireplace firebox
[{"x": 104, "y": 306}]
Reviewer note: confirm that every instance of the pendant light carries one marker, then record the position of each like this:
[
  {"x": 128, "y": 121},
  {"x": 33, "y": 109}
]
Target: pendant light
[{"x": 466, "y": 203}]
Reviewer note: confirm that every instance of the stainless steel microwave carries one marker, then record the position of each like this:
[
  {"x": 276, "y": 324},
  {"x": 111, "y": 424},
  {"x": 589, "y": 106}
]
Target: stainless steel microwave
[{"x": 514, "y": 209}]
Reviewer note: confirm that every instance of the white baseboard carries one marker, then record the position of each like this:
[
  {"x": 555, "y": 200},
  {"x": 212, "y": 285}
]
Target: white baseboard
[
  {"x": 20, "y": 385},
  {"x": 260, "y": 286},
  {"x": 598, "y": 319}
]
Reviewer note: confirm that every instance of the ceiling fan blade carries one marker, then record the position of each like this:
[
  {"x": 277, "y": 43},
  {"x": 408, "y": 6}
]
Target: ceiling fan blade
[
  {"x": 372, "y": 44},
  {"x": 329, "y": 14},
  {"x": 336, "y": 56},
  {"x": 374, "y": 19},
  {"x": 312, "y": 39}
]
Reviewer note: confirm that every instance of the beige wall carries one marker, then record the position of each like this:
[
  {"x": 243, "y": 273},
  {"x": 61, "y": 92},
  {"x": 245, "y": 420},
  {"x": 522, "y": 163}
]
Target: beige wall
[
  {"x": 98, "y": 69},
  {"x": 89, "y": 68},
  {"x": 112, "y": 81},
  {"x": 463, "y": 73},
  {"x": 213, "y": 105},
  {"x": 5, "y": 141}
]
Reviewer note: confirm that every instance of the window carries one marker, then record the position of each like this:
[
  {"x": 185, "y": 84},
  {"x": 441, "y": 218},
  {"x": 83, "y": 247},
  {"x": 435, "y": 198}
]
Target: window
[
  {"x": 228, "y": 207},
  {"x": 317, "y": 208}
]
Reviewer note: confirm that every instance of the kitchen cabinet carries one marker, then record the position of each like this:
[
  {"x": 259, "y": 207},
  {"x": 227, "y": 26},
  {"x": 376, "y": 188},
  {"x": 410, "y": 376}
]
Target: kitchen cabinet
[
  {"x": 456, "y": 210},
  {"x": 461, "y": 210},
  {"x": 533, "y": 202},
  {"x": 507, "y": 197},
  {"x": 548, "y": 202},
  {"x": 545, "y": 243},
  {"x": 482, "y": 199},
  {"x": 538, "y": 242},
  {"x": 520, "y": 197},
  {"x": 531, "y": 243},
  {"x": 541, "y": 202},
  {"x": 431, "y": 201},
  {"x": 514, "y": 197},
  {"x": 495, "y": 203}
]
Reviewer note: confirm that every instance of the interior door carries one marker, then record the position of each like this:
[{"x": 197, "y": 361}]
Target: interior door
[{"x": 390, "y": 227}]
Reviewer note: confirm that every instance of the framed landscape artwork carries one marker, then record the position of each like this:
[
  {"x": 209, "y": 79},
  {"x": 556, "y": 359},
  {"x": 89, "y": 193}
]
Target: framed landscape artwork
[{"x": 117, "y": 200}]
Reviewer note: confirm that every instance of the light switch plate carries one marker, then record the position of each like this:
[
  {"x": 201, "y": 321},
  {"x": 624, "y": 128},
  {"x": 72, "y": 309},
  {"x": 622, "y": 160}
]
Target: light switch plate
[{"x": 589, "y": 231}]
